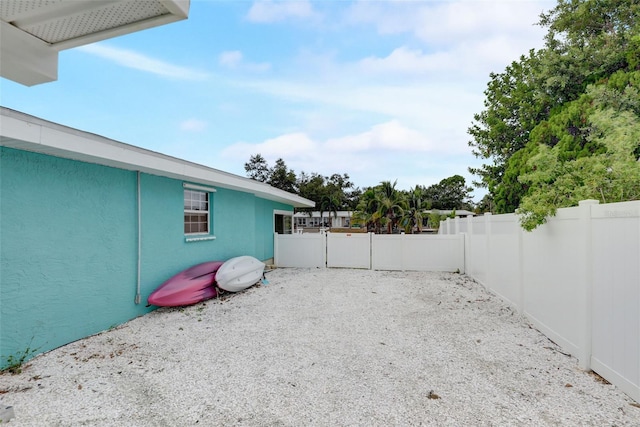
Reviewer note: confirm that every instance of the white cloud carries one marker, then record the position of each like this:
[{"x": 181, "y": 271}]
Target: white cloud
[
  {"x": 230, "y": 59},
  {"x": 449, "y": 22},
  {"x": 359, "y": 152},
  {"x": 404, "y": 60},
  {"x": 235, "y": 60},
  {"x": 413, "y": 102},
  {"x": 389, "y": 136},
  {"x": 432, "y": 83},
  {"x": 193, "y": 125},
  {"x": 473, "y": 58},
  {"x": 131, "y": 59},
  {"x": 461, "y": 36},
  {"x": 293, "y": 145},
  {"x": 267, "y": 11},
  {"x": 438, "y": 109},
  {"x": 452, "y": 22},
  {"x": 387, "y": 20}
]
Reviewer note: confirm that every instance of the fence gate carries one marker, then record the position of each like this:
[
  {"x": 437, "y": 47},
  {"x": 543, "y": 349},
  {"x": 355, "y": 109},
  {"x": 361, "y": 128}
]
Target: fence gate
[
  {"x": 349, "y": 250},
  {"x": 413, "y": 252}
]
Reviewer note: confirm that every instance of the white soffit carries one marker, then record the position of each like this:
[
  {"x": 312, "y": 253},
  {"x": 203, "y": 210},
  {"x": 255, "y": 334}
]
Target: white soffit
[{"x": 34, "y": 31}]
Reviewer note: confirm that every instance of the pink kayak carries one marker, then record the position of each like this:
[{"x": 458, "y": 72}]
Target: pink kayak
[{"x": 190, "y": 286}]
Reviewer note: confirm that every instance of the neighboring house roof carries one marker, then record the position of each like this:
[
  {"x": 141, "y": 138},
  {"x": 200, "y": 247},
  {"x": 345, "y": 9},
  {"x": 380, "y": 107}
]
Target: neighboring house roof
[
  {"x": 457, "y": 212},
  {"x": 33, "y": 32},
  {"x": 25, "y": 132},
  {"x": 325, "y": 214}
]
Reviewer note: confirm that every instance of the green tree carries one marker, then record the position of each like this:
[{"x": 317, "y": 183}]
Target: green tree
[
  {"x": 610, "y": 176},
  {"x": 311, "y": 187},
  {"x": 282, "y": 177},
  {"x": 413, "y": 215},
  {"x": 330, "y": 203},
  {"x": 391, "y": 204},
  {"x": 513, "y": 107},
  {"x": 338, "y": 188},
  {"x": 540, "y": 99},
  {"x": 330, "y": 193},
  {"x": 450, "y": 193},
  {"x": 435, "y": 218},
  {"x": 485, "y": 205},
  {"x": 367, "y": 211},
  {"x": 257, "y": 168}
]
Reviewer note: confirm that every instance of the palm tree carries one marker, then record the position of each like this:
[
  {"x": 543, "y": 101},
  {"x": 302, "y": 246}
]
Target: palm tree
[
  {"x": 414, "y": 215},
  {"x": 367, "y": 210},
  {"x": 331, "y": 203},
  {"x": 391, "y": 204}
]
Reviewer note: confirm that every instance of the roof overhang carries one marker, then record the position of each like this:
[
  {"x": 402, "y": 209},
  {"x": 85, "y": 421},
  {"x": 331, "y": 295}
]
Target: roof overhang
[
  {"x": 32, "y": 32},
  {"x": 24, "y": 132}
]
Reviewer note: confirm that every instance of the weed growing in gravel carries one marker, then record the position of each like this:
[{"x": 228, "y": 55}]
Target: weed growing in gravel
[{"x": 15, "y": 361}]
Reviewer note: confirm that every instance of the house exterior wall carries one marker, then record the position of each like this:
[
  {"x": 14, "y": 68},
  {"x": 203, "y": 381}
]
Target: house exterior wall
[
  {"x": 69, "y": 245},
  {"x": 264, "y": 226}
]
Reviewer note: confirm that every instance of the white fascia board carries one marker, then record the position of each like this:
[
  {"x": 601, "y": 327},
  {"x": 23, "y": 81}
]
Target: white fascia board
[
  {"x": 179, "y": 8},
  {"x": 235, "y": 182},
  {"x": 18, "y": 130},
  {"x": 26, "y": 59}
]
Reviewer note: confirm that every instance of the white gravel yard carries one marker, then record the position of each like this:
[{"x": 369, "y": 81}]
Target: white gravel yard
[{"x": 320, "y": 347}]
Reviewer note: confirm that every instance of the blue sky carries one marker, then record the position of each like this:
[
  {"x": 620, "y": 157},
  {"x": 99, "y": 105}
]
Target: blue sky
[{"x": 380, "y": 90}]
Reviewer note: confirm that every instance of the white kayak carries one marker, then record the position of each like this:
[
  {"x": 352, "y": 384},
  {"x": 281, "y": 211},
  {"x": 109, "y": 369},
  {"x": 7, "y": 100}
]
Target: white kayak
[{"x": 239, "y": 273}]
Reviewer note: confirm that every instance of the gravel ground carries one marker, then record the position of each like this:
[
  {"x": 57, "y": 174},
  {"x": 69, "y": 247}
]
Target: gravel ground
[{"x": 320, "y": 347}]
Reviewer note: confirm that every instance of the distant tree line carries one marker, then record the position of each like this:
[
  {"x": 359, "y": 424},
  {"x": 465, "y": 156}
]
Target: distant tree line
[
  {"x": 380, "y": 208},
  {"x": 562, "y": 123}
]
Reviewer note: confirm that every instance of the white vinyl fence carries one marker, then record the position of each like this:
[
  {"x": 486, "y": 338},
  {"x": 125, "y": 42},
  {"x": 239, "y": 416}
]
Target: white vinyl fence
[
  {"x": 300, "y": 250},
  {"x": 370, "y": 251},
  {"x": 417, "y": 252},
  {"x": 577, "y": 278}
]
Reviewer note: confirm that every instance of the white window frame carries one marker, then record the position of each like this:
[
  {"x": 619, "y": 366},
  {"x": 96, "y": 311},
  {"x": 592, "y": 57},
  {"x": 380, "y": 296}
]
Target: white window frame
[
  {"x": 202, "y": 190},
  {"x": 278, "y": 212}
]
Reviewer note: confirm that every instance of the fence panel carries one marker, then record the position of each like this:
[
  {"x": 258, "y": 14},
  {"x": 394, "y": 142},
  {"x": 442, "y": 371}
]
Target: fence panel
[
  {"x": 434, "y": 253},
  {"x": 300, "y": 250},
  {"x": 476, "y": 248},
  {"x": 504, "y": 258},
  {"x": 554, "y": 276},
  {"x": 349, "y": 250},
  {"x": 386, "y": 252},
  {"x": 416, "y": 252},
  {"x": 577, "y": 278},
  {"x": 616, "y": 295}
]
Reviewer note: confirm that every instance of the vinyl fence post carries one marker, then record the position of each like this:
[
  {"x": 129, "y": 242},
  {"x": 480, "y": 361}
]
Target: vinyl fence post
[
  {"x": 324, "y": 241},
  {"x": 370, "y": 250},
  {"x": 467, "y": 243},
  {"x": 487, "y": 231},
  {"x": 584, "y": 358},
  {"x": 402, "y": 250},
  {"x": 521, "y": 287},
  {"x": 276, "y": 257}
]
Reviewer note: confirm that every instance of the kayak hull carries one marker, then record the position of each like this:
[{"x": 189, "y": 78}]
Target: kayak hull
[
  {"x": 188, "y": 287},
  {"x": 239, "y": 273}
]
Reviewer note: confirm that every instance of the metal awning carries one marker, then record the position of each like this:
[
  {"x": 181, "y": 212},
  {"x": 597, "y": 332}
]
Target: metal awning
[{"x": 32, "y": 32}]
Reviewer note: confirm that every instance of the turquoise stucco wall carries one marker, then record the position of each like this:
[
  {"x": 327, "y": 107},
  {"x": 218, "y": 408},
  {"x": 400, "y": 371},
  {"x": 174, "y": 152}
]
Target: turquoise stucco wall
[
  {"x": 68, "y": 245},
  {"x": 68, "y": 237},
  {"x": 264, "y": 226}
]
